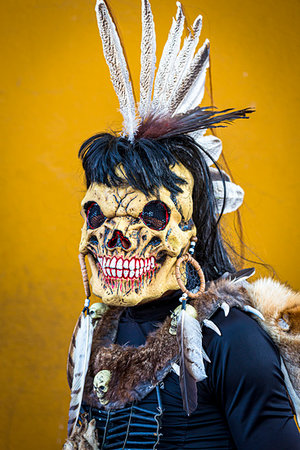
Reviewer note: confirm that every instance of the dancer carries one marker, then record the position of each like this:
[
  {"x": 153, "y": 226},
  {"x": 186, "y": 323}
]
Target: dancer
[{"x": 181, "y": 352}]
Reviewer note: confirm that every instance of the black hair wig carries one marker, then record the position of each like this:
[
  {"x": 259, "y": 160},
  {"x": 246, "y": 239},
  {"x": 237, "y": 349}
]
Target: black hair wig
[{"x": 147, "y": 165}]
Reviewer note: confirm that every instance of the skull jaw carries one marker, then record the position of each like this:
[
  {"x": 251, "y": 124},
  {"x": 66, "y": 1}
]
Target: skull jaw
[{"x": 138, "y": 291}]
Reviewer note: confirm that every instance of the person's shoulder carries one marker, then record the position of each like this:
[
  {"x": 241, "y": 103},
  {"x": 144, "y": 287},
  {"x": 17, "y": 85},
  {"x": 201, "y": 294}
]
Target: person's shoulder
[{"x": 237, "y": 329}]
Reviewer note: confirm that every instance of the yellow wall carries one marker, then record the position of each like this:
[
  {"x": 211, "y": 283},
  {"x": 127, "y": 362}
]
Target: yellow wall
[{"x": 56, "y": 92}]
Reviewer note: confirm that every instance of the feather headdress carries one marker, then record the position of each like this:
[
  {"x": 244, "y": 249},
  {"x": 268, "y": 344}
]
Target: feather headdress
[{"x": 169, "y": 101}]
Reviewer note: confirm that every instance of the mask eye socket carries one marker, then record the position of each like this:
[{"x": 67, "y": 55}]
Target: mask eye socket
[
  {"x": 155, "y": 215},
  {"x": 94, "y": 216}
]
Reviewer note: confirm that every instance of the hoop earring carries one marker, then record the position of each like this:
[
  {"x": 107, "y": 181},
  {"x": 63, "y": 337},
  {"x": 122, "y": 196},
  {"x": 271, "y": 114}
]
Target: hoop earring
[{"x": 187, "y": 258}]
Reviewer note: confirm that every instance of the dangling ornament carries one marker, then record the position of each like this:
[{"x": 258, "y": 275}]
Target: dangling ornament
[
  {"x": 79, "y": 352},
  {"x": 183, "y": 272},
  {"x": 189, "y": 334}
]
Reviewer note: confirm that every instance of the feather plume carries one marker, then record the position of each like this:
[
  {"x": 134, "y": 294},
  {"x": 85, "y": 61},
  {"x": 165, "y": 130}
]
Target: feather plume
[
  {"x": 80, "y": 354},
  {"x": 184, "y": 59},
  {"x": 195, "y": 94},
  {"x": 218, "y": 174},
  {"x": 156, "y": 126},
  {"x": 167, "y": 61},
  {"x": 234, "y": 196},
  {"x": 148, "y": 59},
  {"x": 190, "y": 92},
  {"x": 114, "y": 55},
  {"x": 212, "y": 147},
  {"x": 189, "y": 337},
  {"x": 239, "y": 276},
  {"x": 197, "y": 135}
]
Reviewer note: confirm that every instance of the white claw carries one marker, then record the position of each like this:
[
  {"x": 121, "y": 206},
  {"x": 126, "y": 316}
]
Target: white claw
[
  {"x": 205, "y": 356},
  {"x": 212, "y": 326},
  {"x": 226, "y": 308},
  {"x": 176, "y": 368},
  {"x": 254, "y": 311}
]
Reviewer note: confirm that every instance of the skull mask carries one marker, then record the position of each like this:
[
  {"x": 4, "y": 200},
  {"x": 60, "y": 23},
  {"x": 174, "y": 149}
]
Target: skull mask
[{"x": 133, "y": 241}]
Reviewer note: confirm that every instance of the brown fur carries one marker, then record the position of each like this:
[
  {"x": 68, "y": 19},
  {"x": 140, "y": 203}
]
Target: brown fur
[
  {"x": 221, "y": 291},
  {"x": 84, "y": 437},
  {"x": 132, "y": 368},
  {"x": 280, "y": 305}
]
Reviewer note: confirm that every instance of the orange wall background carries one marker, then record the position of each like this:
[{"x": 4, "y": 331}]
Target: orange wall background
[{"x": 55, "y": 93}]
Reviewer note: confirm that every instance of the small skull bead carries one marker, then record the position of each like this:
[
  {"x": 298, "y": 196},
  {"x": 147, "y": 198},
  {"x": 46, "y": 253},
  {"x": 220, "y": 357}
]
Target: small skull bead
[
  {"x": 190, "y": 310},
  {"x": 101, "y": 381},
  {"x": 97, "y": 310}
]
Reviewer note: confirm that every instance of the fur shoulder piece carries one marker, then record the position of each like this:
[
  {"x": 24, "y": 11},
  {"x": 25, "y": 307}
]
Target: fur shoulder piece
[
  {"x": 134, "y": 372},
  {"x": 280, "y": 307}
]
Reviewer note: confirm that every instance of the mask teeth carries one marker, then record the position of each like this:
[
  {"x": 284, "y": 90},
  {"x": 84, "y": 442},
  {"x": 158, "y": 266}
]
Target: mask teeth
[{"x": 114, "y": 268}]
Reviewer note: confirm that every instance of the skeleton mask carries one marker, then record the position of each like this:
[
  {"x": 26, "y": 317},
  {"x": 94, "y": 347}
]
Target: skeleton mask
[
  {"x": 101, "y": 381},
  {"x": 133, "y": 241}
]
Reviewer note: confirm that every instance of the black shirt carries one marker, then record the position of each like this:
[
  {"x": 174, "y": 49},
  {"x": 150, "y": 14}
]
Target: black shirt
[{"x": 242, "y": 404}]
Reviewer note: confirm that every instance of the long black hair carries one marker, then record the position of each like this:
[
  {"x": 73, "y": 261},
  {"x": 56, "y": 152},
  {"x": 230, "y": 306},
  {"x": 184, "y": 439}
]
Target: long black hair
[{"x": 147, "y": 166}]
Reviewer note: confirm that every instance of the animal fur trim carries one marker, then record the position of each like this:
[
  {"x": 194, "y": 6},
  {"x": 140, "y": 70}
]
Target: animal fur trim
[
  {"x": 131, "y": 368},
  {"x": 84, "y": 437},
  {"x": 136, "y": 371},
  {"x": 281, "y": 309}
]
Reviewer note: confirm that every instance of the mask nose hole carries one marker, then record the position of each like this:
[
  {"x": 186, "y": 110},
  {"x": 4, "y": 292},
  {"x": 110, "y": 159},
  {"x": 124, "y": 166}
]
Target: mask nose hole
[{"x": 119, "y": 240}]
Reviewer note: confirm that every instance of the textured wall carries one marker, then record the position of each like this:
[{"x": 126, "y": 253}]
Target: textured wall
[{"x": 56, "y": 92}]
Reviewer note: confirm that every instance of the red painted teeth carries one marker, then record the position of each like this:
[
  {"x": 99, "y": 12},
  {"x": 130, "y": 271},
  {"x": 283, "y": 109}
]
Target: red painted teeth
[{"x": 128, "y": 269}]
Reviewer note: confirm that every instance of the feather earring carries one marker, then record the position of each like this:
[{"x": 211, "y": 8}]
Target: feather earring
[
  {"x": 79, "y": 353},
  {"x": 189, "y": 338}
]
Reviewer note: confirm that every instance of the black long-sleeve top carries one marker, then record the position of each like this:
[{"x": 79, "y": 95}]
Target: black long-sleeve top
[{"x": 242, "y": 404}]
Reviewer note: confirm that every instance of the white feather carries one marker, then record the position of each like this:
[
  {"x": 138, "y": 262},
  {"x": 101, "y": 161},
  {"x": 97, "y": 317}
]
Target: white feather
[
  {"x": 198, "y": 134},
  {"x": 114, "y": 55},
  {"x": 218, "y": 174},
  {"x": 183, "y": 60},
  {"x": 193, "y": 348},
  {"x": 81, "y": 357},
  {"x": 148, "y": 59},
  {"x": 234, "y": 196},
  {"x": 212, "y": 145},
  {"x": 167, "y": 61},
  {"x": 191, "y": 90}
]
